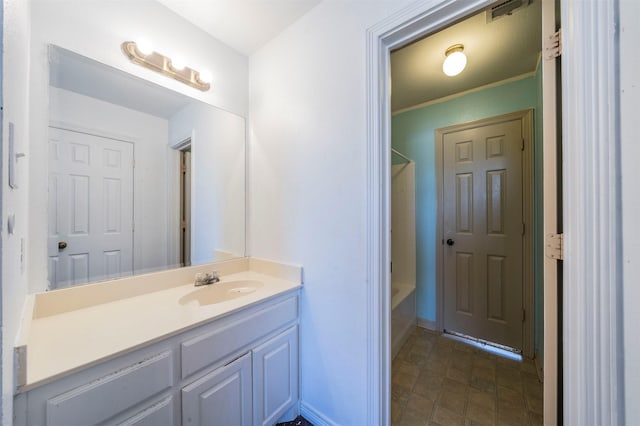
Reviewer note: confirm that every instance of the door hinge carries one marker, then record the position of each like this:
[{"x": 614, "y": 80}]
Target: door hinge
[
  {"x": 553, "y": 46},
  {"x": 523, "y": 315},
  {"x": 523, "y": 228},
  {"x": 554, "y": 246},
  {"x": 522, "y": 148}
]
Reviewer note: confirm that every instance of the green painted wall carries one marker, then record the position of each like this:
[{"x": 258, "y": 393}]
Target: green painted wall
[{"x": 413, "y": 134}]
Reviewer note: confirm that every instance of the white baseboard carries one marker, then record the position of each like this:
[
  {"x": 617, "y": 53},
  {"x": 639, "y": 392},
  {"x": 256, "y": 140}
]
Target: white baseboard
[
  {"x": 314, "y": 416},
  {"x": 429, "y": 325}
]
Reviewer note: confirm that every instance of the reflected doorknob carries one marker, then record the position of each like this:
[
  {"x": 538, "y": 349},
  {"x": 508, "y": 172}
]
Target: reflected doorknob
[
  {"x": 62, "y": 245},
  {"x": 450, "y": 242}
]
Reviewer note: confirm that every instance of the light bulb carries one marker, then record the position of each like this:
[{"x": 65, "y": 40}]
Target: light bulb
[
  {"x": 144, "y": 46},
  {"x": 205, "y": 76},
  {"x": 454, "y": 63},
  {"x": 177, "y": 63}
]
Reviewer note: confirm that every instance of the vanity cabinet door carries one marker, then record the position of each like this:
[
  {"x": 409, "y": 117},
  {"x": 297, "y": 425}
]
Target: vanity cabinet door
[
  {"x": 220, "y": 398},
  {"x": 275, "y": 377}
]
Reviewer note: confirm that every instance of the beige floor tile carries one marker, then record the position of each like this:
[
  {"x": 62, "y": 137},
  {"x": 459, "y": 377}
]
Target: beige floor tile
[
  {"x": 459, "y": 374},
  {"x": 454, "y": 386},
  {"x": 400, "y": 394},
  {"x": 511, "y": 416},
  {"x": 483, "y": 399},
  {"x": 396, "y": 411},
  {"x": 421, "y": 405},
  {"x": 535, "y": 419},
  {"x": 435, "y": 364},
  {"x": 509, "y": 397},
  {"x": 410, "y": 417},
  {"x": 534, "y": 404},
  {"x": 427, "y": 390},
  {"x": 404, "y": 379},
  {"x": 483, "y": 363},
  {"x": 481, "y": 415},
  {"x": 511, "y": 382},
  {"x": 404, "y": 367},
  {"x": 445, "y": 417},
  {"x": 440, "y": 381},
  {"x": 452, "y": 400}
]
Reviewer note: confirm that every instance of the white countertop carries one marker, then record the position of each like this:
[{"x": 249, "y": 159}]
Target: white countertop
[{"x": 64, "y": 342}]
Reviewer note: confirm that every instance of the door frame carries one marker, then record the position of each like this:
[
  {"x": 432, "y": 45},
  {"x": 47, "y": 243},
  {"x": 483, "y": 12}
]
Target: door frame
[
  {"x": 526, "y": 120},
  {"x": 592, "y": 279},
  {"x": 409, "y": 24}
]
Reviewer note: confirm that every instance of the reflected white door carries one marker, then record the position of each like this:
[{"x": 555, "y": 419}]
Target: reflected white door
[
  {"x": 90, "y": 208},
  {"x": 483, "y": 226}
]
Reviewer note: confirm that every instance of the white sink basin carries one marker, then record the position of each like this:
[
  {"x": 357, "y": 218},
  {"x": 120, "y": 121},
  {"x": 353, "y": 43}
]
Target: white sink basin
[{"x": 220, "y": 292}]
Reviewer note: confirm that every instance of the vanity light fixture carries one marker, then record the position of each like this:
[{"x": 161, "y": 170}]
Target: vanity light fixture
[
  {"x": 142, "y": 54},
  {"x": 455, "y": 60}
]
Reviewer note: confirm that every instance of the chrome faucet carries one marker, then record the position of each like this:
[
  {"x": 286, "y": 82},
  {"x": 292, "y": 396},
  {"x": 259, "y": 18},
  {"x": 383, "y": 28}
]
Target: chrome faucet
[{"x": 206, "y": 278}]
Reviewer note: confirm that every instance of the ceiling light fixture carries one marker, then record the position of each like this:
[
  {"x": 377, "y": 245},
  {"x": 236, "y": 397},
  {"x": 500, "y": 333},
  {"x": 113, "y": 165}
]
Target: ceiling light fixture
[
  {"x": 455, "y": 60},
  {"x": 142, "y": 55}
]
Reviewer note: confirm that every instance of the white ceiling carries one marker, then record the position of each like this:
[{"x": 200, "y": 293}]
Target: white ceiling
[
  {"x": 245, "y": 25},
  {"x": 498, "y": 50}
]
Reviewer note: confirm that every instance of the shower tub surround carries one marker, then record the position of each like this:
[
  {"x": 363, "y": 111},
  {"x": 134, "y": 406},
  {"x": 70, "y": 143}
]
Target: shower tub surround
[
  {"x": 155, "y": 347},
  {"x": 403, "y": 315}
]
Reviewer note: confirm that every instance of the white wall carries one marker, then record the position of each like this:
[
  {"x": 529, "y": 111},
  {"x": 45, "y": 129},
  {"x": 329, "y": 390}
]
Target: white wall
[
  {"x": 218, "y": 179},
  {"x": 307, "y": 186},
  {"x": 150, "y": 136},
  {"x": 630, "y": 152},
  {"x": 16, "y": 27}
]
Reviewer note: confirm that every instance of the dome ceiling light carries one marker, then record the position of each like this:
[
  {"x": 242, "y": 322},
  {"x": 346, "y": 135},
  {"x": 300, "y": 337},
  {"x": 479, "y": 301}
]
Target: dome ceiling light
[{"x": 455, "y": 60}]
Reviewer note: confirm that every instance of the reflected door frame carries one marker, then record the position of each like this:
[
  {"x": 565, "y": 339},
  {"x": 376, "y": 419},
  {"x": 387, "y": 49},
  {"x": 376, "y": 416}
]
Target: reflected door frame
[{"x": 526, "y": 119}]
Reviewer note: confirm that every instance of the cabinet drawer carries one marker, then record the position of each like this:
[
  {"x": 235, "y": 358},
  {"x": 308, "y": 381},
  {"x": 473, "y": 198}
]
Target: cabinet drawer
[
  {"x": 208, "y": 348},
  {"x": 107, "y": 396}
]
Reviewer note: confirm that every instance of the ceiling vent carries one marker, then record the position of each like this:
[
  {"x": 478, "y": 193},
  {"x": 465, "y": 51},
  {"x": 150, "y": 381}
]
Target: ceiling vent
[{"x": 506, "y": 8}]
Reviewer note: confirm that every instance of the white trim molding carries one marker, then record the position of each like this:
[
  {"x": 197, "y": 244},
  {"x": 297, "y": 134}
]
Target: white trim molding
[
  {"x": 592, "y": 285},
  {"x": 310, "y": 413},
  {"x": 417, "y": 20},
  {"x": 426, "y": 324}
]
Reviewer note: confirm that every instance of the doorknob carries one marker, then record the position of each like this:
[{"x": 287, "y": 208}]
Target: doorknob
[
  {"x": 450, "y": 242},
  {"x": 62, "y": 245}
]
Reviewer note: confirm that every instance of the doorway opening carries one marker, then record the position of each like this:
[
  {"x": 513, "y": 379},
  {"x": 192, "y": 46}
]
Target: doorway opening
[
  {"x": 385, "y": 39},
  {"x": 472, "y": 139},
  {"x": 185, "y": 205}
]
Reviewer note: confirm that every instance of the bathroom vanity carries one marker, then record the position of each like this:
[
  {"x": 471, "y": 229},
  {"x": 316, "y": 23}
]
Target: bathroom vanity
[{"x": 144, "y": 351}]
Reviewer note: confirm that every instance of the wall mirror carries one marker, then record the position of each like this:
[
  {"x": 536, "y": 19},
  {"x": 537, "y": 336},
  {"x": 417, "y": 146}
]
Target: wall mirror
[{"x": 140, "y": 178}]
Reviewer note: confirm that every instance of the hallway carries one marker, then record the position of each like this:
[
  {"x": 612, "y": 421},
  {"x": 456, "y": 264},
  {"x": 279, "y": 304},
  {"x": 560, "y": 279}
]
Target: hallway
[{"x": 440, "y": 381}]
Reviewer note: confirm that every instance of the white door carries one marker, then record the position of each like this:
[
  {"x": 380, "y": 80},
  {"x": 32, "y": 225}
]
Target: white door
[
  {"x": 483, "y": 227},
  {"x": 90, "y": 208}
]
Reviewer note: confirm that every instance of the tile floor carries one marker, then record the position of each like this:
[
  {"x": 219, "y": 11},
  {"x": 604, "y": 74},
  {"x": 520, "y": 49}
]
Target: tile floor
[{"x": 440, "y": 381}]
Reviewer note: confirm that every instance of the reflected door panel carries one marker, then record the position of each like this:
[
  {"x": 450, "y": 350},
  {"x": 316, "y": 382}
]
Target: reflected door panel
[{"x": 90, "y": 208}]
